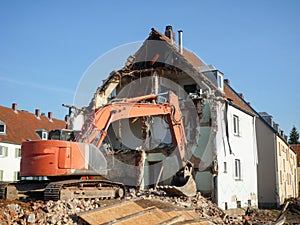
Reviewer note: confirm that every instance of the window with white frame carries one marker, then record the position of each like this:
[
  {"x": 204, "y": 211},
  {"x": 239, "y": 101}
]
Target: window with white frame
[
  {"x": 2, "y": 128},
  {"x": 17, "y": 152},
  {"x": 220, "y": 81},
  {"x": 237, "y": 169},
  {"x": 44, "y": 135},
  {"x": 236, "y": 129},
  {"x": 3, "y": 151},
  {"x": 16, "y": 175}
]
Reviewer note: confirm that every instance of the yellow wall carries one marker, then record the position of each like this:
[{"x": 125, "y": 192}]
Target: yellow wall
[
  {"x": 298, "y": 181},
  {"x": 287, "y": 170}
]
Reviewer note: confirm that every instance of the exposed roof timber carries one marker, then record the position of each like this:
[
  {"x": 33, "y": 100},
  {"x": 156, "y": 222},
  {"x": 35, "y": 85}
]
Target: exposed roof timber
[
  {"x": 188, "y": 61},
  {"x": 189, "y": 65}
]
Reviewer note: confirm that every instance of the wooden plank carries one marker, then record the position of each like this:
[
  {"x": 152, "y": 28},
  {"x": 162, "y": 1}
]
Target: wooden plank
[
  {"x": 112, "y": 213},
  {"x": 149, "y": 216},
  {"x": 188, "y": 214}
]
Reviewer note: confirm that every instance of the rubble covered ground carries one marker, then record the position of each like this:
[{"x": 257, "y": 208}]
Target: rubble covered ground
[{"x": 68, "y": 211}]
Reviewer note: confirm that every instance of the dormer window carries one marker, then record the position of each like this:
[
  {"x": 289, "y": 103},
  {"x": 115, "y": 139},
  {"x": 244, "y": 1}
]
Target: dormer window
[
  {"x": 2, "y": 128},
  {"x": 43, "y": 134},
  {"x": 214, "y": 75},
  {"x": 220, "y": 80}
]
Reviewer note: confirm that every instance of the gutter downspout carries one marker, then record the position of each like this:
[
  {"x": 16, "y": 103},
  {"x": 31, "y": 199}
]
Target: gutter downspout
[{"x": 226, "y": 126}]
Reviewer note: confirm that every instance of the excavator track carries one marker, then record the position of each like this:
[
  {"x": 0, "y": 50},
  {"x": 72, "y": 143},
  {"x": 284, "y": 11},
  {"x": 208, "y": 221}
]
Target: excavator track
[
  {"x": 30, "y": 190},
  {"x": 84, "y": 189}
]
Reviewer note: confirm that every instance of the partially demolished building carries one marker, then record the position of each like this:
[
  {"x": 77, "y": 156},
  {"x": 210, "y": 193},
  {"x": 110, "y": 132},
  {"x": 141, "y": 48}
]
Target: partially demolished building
[{"x": 220, "y": 134}]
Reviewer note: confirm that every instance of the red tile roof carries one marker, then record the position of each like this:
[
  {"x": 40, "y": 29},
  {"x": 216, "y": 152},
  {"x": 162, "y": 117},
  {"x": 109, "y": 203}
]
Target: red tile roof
[
  {"x": 192, "y": 58},
  {"x": 188, "y": 55},
  {"x": 296, "y": 148},
  {"x": 236, "y": 99},
  {"x": 22, "y": 125}
]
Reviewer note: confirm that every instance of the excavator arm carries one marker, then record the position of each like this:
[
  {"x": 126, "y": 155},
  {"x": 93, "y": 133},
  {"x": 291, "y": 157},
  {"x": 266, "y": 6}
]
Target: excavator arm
[{"x": 96, "y": 131}]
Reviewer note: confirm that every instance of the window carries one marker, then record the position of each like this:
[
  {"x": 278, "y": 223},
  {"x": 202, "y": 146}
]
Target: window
[
  {"x": 220, "y": 81},
  {"x": 237, "y": 171},
  {"x": 236, "y": 125},
  {"x": 225, "y": 167},
  {"x": 1, "y": 175},
  {"x": 17, "y": 152},
  {"x": 283, "y": 162},
  {"x": 2, "y": 128},
  {"x": 279, "y": 148},
  {"x": 3, "y": 151},
  {"x": 16, "y": 175},
  {"x": 280, "y": 176},
  {"x": 44, "y": 135}
]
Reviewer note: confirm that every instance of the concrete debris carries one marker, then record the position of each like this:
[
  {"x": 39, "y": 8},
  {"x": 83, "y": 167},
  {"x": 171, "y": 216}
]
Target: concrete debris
[{"x": 67, "y": 211}]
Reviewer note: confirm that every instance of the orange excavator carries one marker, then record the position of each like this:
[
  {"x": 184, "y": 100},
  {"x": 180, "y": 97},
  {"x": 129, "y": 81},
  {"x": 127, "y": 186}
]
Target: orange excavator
[{"x": 77, "y": 166}]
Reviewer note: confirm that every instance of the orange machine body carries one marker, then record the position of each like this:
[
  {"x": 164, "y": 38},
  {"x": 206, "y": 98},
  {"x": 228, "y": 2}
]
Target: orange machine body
[
  {"x": 61, "y": 158},
  {"x": 51, "y": 158}
]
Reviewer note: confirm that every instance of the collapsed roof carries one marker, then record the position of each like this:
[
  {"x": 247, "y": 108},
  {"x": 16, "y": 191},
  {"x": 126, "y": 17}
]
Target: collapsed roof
[{"x": 157, "y": 53}]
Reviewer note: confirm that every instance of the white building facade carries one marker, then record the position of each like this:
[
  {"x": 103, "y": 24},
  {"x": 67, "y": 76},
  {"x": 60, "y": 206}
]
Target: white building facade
[
  {"x": 10, "y": 156},
  {"x": 237, "y": 159}
]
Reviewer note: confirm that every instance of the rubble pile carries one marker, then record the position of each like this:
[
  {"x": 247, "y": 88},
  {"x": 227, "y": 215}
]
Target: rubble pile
[
  {"x": 39, "y": 212},
  {"x": 66, "y": 211},
  {"x": 205, "y": 208}
]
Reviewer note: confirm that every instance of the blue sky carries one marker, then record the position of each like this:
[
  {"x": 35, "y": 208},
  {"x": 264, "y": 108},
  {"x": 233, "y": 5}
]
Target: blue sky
[{"x": 46, "y": 47}]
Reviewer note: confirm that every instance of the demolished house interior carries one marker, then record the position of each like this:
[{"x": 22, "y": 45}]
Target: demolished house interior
[{"x": 144, "y": 155}]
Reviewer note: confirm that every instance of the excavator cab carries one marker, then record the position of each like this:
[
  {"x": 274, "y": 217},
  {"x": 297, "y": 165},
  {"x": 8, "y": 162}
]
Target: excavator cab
[{"x": 63, "y": 135}]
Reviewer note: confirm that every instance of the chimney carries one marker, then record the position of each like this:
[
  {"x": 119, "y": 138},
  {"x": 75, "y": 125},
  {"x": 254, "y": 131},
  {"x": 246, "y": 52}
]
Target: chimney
[
  {"x": 227, "y": 81},
  {"x": 14, "y": 107},
  {"x": 38, "y": 113},
  {"x": 180, "y": 41},
  {"x": 50, "y": 116},
  {"x": 241, "y": 95},
  {"x": 169, "y": 33},
  {"x": 249, "y": 103}
]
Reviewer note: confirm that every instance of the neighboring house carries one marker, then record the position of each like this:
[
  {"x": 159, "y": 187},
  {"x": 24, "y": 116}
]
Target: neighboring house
[
  {"x": 224, "y": 153},
  {"x": 275, "y": 160},
  {"x": 236, "y": 153},
  {"x": 238, "y": 158},
  {"x": 287, "y": 166},
  {"x": 277, "y": 164},
  {"x": 296, "y": 148},
  {"x": 17, "y": 126}
]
